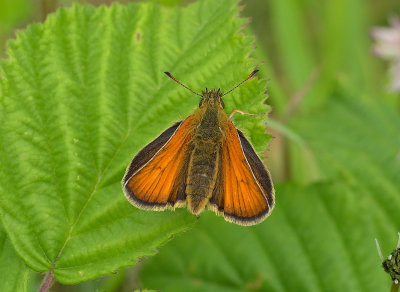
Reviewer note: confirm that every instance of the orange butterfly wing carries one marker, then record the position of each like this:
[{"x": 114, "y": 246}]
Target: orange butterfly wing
[
  {"x": 161, "y": 181},
  {"x": 241, "y": 193}
]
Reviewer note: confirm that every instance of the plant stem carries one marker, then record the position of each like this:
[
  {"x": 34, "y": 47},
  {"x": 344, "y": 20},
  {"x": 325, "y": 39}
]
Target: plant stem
[
  {"x": 47, "y": 282},
  {"x": 395, "y": 287}
]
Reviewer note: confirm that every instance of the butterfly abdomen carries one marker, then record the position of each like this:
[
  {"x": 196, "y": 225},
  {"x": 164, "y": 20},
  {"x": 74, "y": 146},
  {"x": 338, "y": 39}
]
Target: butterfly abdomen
[{"x": 203, "y": 166}]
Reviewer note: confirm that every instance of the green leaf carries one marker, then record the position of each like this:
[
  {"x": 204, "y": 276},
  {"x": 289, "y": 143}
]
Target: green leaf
[
  {"x": 81, "y": 94},
  {"x": 357, "y": 140},
  {"x": 13, "y": 12},
  {"x": 15, "y": 273},
  {"x": 318, "y": 238}
]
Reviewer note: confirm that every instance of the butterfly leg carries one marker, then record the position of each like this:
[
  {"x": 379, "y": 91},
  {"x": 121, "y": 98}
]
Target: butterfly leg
[{"x": 243, "y": 113}]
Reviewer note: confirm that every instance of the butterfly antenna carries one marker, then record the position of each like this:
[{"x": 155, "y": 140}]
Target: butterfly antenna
[
  {"x": 177, "y": 81},
  {"x": 248, "y": 77}
]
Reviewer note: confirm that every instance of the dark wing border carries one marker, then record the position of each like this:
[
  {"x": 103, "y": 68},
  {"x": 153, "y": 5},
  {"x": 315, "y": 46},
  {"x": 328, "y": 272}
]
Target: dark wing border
[
  {"x": 142, "y": 158},
  {"x": 263, "y": 178},
  {"x": 148, "y": 152},
  {"x": 259, "y": 170}
]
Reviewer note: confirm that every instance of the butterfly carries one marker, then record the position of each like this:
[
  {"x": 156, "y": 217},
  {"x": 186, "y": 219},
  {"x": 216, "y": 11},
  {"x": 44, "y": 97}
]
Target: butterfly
[{"x": 202, "y": 162}]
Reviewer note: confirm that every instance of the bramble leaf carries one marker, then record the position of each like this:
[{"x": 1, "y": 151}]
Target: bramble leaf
[
  {"x": 15, "y": 273},
  {"x": 81, "y": 94}
]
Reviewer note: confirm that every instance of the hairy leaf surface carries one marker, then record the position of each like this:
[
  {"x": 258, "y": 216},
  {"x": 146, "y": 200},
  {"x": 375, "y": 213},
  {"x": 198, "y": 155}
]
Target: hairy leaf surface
[{"x": 81, "y": 94}]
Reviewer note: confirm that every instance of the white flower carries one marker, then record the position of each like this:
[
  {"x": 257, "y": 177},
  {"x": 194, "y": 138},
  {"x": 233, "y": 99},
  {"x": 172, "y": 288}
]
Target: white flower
[{"x": 387, "y": 46}]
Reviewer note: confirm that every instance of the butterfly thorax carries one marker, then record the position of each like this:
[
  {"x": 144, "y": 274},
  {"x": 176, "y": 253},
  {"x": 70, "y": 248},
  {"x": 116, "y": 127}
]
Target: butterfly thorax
[{"x": 205, "y": 156}]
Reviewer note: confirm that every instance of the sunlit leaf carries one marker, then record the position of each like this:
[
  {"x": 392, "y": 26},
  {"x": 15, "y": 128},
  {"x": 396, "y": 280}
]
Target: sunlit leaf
[
  {"x": 15, "y": 273},
  {"x": 80, "y": 95}
]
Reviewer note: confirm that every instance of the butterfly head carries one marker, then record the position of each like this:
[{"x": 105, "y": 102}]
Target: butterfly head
[{"x": 212, "y": 97}]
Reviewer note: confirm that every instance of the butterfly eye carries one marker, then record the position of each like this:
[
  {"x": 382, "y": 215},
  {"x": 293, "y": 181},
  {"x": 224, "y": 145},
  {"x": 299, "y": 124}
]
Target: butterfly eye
[{"x": 201, "y": 101}]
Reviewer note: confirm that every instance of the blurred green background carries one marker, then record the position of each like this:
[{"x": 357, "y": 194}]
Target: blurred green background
[{"x": 317, "y": 55}]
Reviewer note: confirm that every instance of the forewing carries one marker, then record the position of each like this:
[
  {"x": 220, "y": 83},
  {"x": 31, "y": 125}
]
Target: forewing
[
  {"x": 239, "y": 194},
  {"x": 156, "y": 177},
  {"x": 257, "y": 167}
]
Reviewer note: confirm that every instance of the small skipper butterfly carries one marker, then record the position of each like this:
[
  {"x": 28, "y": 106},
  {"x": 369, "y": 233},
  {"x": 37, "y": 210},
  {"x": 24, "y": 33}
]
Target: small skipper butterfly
[{"x": 202, "y": 161}]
